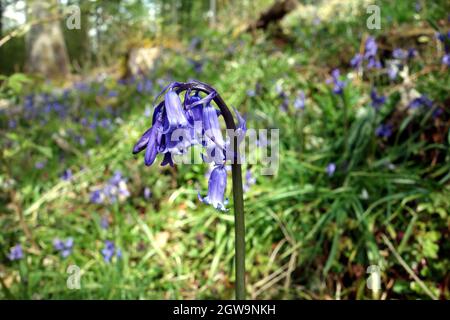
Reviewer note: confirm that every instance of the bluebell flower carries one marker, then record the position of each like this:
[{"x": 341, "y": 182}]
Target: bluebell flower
[
  {"x": 40, "y": 164},
  {"x": 249, "y": 180},
  {"x": 93, "y": 125},
  {"x": 412, "y": 53},
  {"x": 370, "y": 48},
  {"x": 147, "y": 193},
  {"x": 417, "y": 6},
  {"x": 445, "y": 39},
  {"x": 213, "y": 135},
  {"x": 15, "y": 253},
  {"x": 12, "y": 124},
  {"x": 197, "y": 65},
  {"x": 151, "y": 140},
  {"x": 84, "y": 122},
  {"x": 195, "y": 43},
  {"x": 377, "y": 100},
  {"x": 175, "y": 116},
  {"x": 423, "y": 100},
  {"x": 67, "y": 175},
  {"x": 80, "y": 140},
  {"x": 217, "y": 185},
  {"x": 58, "y": 244},
  {"x": 393, "y": 70},
  {"x": 373, "y": 63},
  {"x": 167, "y": 160},
  {"x": 148, "y": 85},
  {"x": 384, "y": 131},
  {"x": 106, "y": 123},
  {"x": 115, "y": 189},
  {"x": 29, "y": 102},
  {"x": 356, "y": 61},
  {"x": 399, "y": 54},
  {"x": 446, "y": 59},
  {"x": 370, "y": 53},
  {"x": 331, "y": 168},
  {"x": 299, "y": 102},
  {"x": 82, "y": 86},
  {"x": 116, "y": 178},
  {"x": 339, "y": 85},
  {"x": 437, "y": 113},
  {"x": 195, "y": 114},
  {"x": 104, "y": 222},
  {"x": 122, "y": 82},
  {"x": 64, "y": 247},
  {"x": 112, "y": 94},
  {"x": 108, "y": 251},
  {"x": 284, "y": 106},
  {"x": 279, "y": 90},
  {"x": 140, "y": 87},
  {"x": 251, "y": 93},
  {"x": 97, "y": 197}
]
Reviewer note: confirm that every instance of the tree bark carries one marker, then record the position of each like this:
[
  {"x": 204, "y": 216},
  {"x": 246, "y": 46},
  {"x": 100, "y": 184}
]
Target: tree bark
[
  {"x": 46, "y": 49},
  {"x": 1, "y": 17}
]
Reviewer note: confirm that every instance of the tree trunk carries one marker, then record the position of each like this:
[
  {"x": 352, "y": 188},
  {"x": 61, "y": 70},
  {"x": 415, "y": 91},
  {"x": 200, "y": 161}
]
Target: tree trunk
[
  {"x": 46, "y": 49},
  {"x": 1, "y": 18},
  {"x": 212, "y": 12}
]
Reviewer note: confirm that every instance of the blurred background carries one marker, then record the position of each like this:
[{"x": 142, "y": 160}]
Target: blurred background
[{"x": 362, "y": 194}]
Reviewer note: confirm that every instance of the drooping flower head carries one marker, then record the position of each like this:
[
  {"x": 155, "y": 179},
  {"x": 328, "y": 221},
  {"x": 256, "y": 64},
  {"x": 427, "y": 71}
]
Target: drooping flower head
[{"x": 181, "y": 121}]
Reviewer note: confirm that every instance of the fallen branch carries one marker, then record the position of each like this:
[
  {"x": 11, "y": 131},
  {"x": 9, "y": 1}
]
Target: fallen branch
[{"x": 274, "y": 14}]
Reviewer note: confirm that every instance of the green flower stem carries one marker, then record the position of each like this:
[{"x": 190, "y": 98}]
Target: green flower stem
[{"x": 239, "y": 230}]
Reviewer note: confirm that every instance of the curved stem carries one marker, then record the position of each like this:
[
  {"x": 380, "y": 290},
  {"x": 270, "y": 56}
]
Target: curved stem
[{"x": 238, "y": 198}]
